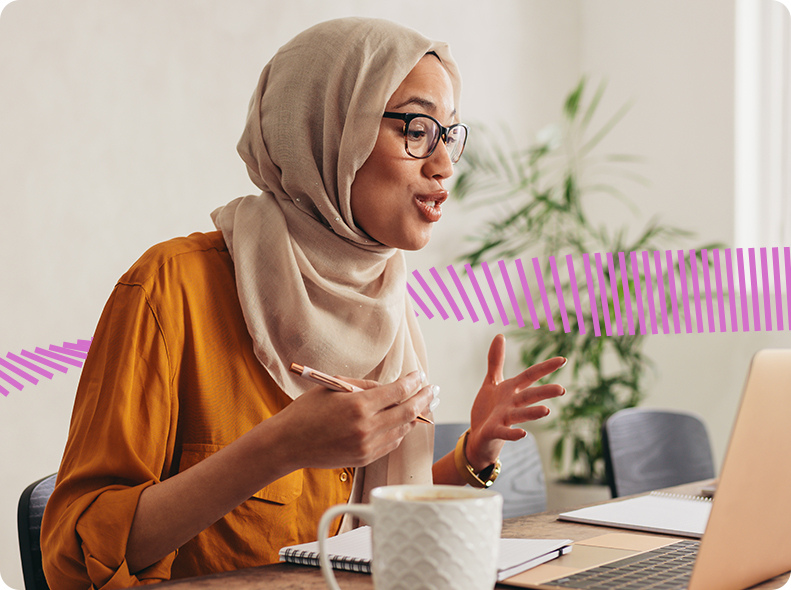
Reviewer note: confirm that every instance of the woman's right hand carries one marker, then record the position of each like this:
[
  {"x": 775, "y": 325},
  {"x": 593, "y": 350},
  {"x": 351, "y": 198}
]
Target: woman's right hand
[{"x": 329, "y": 429}]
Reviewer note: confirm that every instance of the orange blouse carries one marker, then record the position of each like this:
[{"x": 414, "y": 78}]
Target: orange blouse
[{"x": 171, "y": 378}]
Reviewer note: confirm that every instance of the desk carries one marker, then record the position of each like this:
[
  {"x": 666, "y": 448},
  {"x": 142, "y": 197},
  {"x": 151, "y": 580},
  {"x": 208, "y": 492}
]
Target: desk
[{"x": 295, "y": 577}]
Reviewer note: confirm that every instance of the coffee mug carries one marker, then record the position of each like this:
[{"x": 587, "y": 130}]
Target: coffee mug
[{"x": 426, "y": 537}]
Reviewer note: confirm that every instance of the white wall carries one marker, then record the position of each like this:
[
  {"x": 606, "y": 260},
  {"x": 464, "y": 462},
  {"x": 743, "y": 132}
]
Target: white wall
[{"x": 118, "y": 124}]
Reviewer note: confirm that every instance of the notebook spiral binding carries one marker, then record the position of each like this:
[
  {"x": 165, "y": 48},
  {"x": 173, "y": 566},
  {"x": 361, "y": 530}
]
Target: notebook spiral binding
[{"x": 681, "y": 496}]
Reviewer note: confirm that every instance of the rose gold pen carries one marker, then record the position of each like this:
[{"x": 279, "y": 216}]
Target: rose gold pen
[{"x": 332, "y": 383}]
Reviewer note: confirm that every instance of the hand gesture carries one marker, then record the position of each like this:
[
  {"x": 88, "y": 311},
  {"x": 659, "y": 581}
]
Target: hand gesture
[{"x": 501, "y": 403}]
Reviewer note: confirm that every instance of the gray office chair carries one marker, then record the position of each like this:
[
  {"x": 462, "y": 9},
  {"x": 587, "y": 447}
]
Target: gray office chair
[
  {"x": 647, "y": 449},
  {"x": 521, "y": 482},
  {"x": 29, "y": 514}
]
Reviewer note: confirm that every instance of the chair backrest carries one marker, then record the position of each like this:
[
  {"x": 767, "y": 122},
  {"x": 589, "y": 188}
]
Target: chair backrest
[
  {"x": 647, "y": 449},
  {"x": 521, "y": 482},
  {"x": 29, "y": 514}
]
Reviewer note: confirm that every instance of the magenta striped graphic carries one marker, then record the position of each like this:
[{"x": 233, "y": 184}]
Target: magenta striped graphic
[
  {"x": 634, "y": 292},
  {"x": 635, "y": 286},
  {"x": 13, "y": 366}
]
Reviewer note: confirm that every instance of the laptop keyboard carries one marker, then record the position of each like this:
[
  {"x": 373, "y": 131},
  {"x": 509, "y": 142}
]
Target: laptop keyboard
[{"x": 666, "y": 568}]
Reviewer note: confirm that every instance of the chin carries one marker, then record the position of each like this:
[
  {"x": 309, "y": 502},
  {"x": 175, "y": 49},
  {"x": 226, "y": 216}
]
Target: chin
[{"x": 414, "y": 243}]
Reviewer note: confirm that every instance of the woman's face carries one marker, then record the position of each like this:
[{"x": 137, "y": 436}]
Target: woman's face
[{"x": 395, "y": 198}]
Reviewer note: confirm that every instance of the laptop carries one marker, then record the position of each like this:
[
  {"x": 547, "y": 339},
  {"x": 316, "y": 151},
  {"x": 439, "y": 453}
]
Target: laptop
[{"x": 748, "y": 535}]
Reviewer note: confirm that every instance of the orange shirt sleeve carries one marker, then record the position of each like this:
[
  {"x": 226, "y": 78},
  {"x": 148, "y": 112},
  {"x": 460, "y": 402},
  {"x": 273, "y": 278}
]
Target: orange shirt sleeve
[
  {"x": 171, "y": 378},
  {"x": 120, "y": 442}
]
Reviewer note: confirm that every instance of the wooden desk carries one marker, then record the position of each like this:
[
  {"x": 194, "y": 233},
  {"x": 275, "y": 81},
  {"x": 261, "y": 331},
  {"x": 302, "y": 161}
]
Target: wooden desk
[{"x": 295, "y": 577}]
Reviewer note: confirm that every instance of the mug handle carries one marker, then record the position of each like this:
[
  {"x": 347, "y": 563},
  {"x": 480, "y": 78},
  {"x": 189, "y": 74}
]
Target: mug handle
[{"x": 362, "y": 511}]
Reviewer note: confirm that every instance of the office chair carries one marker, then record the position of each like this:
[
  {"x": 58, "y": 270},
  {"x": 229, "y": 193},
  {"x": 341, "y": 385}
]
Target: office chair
[
  {"x": 647, "y": 449},
  {"x": 29, "y": 513},
  {"x": 521, "y": 482}
]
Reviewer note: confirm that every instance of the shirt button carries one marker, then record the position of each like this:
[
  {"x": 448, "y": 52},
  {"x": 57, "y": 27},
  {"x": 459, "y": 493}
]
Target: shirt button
[{"x": 344, "y": 476}]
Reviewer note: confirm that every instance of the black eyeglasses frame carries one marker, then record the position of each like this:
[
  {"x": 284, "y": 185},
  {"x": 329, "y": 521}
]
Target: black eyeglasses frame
[{"x": 443, "y": 135}]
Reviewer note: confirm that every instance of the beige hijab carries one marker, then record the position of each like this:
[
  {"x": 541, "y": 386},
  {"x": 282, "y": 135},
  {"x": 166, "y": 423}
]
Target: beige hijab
[{"x": 314, "y": 288}]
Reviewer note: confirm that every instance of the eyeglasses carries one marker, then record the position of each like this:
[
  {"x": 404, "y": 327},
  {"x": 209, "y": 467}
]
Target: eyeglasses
[{"x": 422, "y": 134}]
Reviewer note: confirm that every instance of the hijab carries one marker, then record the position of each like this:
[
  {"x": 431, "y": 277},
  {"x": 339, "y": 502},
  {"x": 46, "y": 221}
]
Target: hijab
[{"x": 314, "y": 288}]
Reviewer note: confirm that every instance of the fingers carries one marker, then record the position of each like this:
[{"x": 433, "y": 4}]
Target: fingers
[
  {"x": 510, "y": 433},
  {"x": 496, "y": 359},
  {"x": 408, "y": 397},
  {"x": 537, "y": 371},
  {"x": 527, "y": 414},
  {"x": 532, "y": 395}
]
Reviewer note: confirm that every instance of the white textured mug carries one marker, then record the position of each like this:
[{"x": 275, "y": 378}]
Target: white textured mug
[{"x": 427, "y": 537}]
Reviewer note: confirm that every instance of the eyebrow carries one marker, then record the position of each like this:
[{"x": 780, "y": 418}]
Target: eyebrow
[{"x": 422, "y": 102}]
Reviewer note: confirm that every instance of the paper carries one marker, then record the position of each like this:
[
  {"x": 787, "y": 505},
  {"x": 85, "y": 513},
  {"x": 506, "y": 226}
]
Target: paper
[{"x": 670, "y": 514}]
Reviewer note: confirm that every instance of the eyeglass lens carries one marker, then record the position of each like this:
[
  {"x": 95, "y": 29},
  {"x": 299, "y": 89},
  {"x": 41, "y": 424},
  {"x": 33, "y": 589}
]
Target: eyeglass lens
[{"x": 423, "y": 135}]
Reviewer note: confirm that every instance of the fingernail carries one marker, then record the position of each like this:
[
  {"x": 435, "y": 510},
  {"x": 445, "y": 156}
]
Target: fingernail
[
  {"x": 435, "y": 391},
  {"x": 563, "y": 392},
  {"x": 565, "y": 362},
  {"x": 433, "y": 405},
  {"x": 422, "y": 377}
]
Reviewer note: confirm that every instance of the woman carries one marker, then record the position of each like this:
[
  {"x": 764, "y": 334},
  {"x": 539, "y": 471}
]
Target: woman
[{"x": 192, "y": 448}]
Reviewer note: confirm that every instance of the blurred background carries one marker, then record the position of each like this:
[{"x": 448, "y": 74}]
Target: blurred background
[{"x": 119, "y": 121}]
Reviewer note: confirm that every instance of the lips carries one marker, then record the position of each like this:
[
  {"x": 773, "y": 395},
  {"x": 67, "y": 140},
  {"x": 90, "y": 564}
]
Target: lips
[{"x": 430, "y": 205}]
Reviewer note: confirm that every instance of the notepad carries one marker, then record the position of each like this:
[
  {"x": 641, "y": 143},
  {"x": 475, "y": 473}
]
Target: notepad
[
  {"x": 657, "y": 512},
  {"x": 352, "y": 552}
]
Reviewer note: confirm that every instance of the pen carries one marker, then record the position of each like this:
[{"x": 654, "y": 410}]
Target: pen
[{"x": 332, "y": 383}]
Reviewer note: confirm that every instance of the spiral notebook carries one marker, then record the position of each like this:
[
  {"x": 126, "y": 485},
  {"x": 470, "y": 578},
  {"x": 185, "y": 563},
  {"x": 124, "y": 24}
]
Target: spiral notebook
[
  {"x": 658, "y": 512},
  {"x": 352, "y": 552}
]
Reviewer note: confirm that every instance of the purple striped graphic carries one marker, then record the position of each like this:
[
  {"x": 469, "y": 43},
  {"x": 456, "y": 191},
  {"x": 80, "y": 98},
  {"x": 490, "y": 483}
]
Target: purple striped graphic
[
  {"x": 575, "y": 293},
  {"x": 13, "y": 365},
  {"x": 660, "y": 283},
  {"x": 765, "y": 279},
  {"x": 605, "y": 307},
  {"x": 18, "y": 371},
  {"x": 614, "y": 291},
  {"x": 481, "y": 300},
  {"x": 787, "y": 256},
  {"x": 682, "y": 276},
  {"x": 446, "y": 293},
  {"x": 511, "y": 295},
  {"x": 650, "y": 291},
  {"x": 460, "y": 288},
  {"x": 638, "y": 291},
  {"x": 754, "y": 286},
  {"x": 420, "y": 303},
  {"x": 671, "y": 288},
  {"x": 543, "y": 292},
  {"x": 720, "y": 301},
  {"x": 675, "y": 283},
  {"x": 559, "y": 294},
  {"x": 495, "y": 293},
  {"x": 627, "y": 296},
  {"x": 528, "y": 297},
  {"x": 778, "y": 290},
  {"x": 693, "y": 263},
  {"x": 422, "y": 282},
  {"x": 707, "y": 286},
  {"x": 591, "y": 295},
  {"x": 731, "y": 290},
  {"x": 743, "y": 290}
]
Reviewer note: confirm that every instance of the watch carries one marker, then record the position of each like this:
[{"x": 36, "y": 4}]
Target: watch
[{"x": 485, "y": 478}]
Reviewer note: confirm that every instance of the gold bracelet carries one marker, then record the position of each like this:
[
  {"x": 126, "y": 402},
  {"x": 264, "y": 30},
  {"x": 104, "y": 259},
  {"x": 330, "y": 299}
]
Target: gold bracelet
[{"x": 485, "y": 478}]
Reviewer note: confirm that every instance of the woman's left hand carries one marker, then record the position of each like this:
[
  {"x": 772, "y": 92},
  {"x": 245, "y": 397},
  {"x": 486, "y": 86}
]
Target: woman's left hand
[{"x": 501, "y": 403}]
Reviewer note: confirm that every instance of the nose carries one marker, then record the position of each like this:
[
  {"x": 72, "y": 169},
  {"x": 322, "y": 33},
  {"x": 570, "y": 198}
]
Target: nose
[{"x": 438, "y": 165}]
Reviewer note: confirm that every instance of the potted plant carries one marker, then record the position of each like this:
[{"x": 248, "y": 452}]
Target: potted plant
[{"x": 540, "y": 194}]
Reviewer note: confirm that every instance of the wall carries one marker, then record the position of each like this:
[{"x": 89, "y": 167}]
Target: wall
[{"x": 118, "y": 124}]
